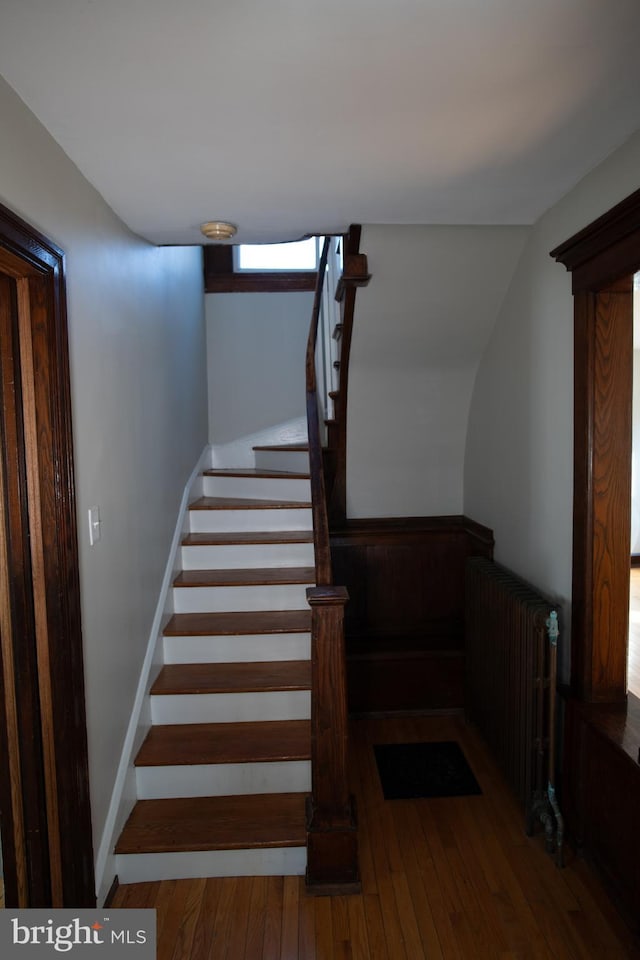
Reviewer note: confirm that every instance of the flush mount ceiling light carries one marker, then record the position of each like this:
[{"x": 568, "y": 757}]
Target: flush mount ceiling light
[{"x": 218, "y": 230}]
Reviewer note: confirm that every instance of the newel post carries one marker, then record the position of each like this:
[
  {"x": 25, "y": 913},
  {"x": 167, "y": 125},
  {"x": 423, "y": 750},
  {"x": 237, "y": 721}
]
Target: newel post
[{"x": 332, "y": 840}]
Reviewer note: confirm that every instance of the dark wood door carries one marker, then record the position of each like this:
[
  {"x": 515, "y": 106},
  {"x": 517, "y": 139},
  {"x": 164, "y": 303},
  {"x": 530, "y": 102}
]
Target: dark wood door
[
  {"x": 44, "y": 794},
  {"x": 23, "y": 810}
]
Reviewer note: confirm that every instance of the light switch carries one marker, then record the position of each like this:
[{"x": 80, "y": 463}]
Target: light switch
[{"x": 94, "y": 525}]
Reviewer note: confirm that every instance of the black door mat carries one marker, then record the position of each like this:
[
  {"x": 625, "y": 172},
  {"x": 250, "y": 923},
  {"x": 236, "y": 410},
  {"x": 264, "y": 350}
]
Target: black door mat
[{"x": 411, "y": 770}]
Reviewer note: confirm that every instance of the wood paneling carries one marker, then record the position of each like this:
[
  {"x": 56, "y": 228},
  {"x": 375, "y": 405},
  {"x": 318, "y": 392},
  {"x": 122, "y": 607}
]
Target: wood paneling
[
  {"x": 602, "y": 790},
  {"x": 448, "y": 878},
  {"x": 405, "y": 619}
]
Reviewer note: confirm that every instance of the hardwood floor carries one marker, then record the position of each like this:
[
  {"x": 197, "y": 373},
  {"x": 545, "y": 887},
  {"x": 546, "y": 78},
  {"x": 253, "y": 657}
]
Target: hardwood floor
[
  {"x": 445, "y": 878},
  {"x": 633, "y": 663}
]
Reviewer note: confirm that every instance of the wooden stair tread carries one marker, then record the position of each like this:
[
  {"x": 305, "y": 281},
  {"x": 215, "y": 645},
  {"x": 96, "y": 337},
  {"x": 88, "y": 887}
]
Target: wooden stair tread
[
  {"x": 242, "y": 537},
  {"x": 238, "y": 623},
  {"x": 254, "y": 576},
  {"x": 247, "y": 742},
  {"x": 271, "y": 675},
  {"x": 215, "y": 823},
  {"x": 304, "y": 447},
  {"x": 255, "y": 472},
  {"x": 244, "y": 503}
]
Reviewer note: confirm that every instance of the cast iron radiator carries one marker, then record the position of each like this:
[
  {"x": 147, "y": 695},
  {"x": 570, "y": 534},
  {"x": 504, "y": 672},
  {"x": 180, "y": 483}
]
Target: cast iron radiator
[{"x": 511, "y": 636}]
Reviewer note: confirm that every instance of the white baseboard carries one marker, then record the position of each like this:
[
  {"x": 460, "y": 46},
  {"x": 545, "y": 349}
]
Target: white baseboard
[{"x": 123, "y": 796}]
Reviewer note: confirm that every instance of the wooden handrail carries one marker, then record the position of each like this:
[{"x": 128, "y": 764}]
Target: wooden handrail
[
  {"x": 332, "y": 842},
  {"x": 318, "y": 493},
  {"x": 355, "y": 274}
]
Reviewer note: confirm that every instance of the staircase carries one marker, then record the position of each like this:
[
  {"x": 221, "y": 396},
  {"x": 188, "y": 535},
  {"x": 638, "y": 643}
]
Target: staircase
[{"x": 223, "y": 773}]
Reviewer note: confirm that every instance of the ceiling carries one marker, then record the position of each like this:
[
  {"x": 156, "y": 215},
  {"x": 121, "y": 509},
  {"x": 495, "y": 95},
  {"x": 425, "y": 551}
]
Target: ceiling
[{"x": 291, "y": 117}]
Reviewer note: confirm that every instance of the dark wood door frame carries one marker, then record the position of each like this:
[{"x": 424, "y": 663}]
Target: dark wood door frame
[
  {"x": 602, "y": 259},
  {"x": 44, "y": 790}
]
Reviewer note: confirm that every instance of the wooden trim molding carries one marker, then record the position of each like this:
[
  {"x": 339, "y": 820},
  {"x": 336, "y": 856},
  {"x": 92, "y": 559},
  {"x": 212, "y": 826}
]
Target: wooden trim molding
[
  {"x": 54, "y": 783},
  {"x": 601, "y": 777},
  {"x": 399, "y": 528},
  {"x": 220, "y": 276},
  {"x": 602, "y": 258},
  {"x": 606, "y": 249}
]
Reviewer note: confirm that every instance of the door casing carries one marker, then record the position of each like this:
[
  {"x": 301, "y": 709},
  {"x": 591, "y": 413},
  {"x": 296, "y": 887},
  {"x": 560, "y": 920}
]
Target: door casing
[{"x": 44, "y": 800}]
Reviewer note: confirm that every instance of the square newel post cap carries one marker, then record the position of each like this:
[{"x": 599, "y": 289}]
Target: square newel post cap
[{"x": 327, "y": 596}]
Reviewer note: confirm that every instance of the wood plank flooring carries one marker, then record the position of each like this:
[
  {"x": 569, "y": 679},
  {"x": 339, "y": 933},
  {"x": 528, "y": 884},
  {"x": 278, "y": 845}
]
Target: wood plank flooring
[{"x": 444, "y": 878}]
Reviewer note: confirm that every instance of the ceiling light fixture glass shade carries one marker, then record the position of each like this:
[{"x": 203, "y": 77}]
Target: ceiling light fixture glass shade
[{"x": 218, "y": 230}]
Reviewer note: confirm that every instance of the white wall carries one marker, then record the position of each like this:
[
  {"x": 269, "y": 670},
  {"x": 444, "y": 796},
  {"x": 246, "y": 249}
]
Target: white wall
[
  {"x": 137, "y": 352},
  {"x": 256, "y": 345},
  {"x": 519, "y": 455},
  {"x": 420, "y": 329}
]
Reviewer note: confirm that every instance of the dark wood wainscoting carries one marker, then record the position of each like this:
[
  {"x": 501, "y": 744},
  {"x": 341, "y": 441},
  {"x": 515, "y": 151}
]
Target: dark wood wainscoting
[
  {"x": 601, "y": 794},
  {"x": 404, "y": 623}
]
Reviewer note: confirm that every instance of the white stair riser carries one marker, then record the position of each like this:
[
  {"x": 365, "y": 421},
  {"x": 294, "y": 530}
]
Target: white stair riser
[
  {"x": 286, "y": 596},
  {"x": 231, "y": 707},
  {"x": 258, "y": 488},
  {"x": 238, "y": 649},
  {"x": 238, "y": 556},
  {"x": 232, "y": 521},
  {"x": 296, "y": 461},
  {"x": 223, "y": 779},
  {"x": 264, "y": 862}
]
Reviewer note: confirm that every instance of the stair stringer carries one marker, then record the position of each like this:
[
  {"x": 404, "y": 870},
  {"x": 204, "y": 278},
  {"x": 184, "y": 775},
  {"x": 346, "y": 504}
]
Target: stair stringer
[{"x": 124, "y": 793}]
